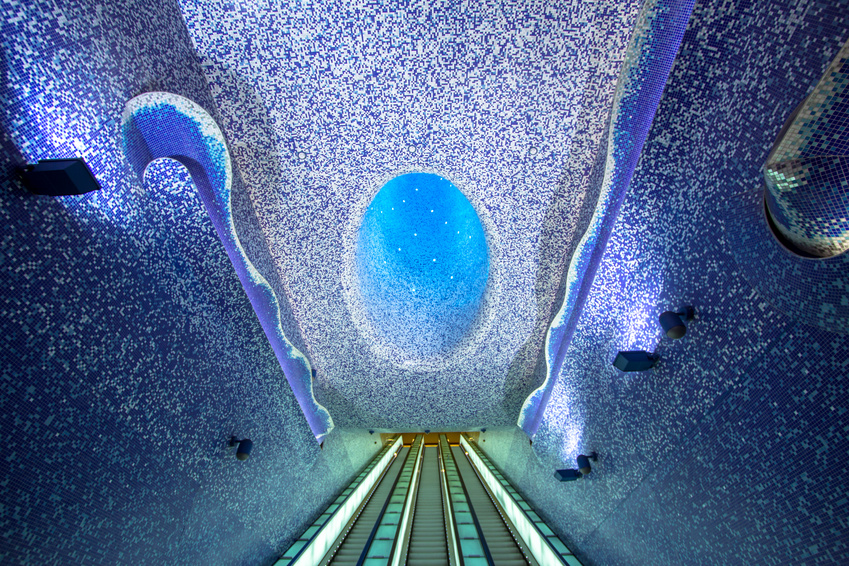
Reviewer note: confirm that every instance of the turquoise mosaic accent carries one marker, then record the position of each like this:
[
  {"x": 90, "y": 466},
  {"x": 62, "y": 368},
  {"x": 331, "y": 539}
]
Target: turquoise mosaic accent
[
  {"x": 422, "y": 264},
  {"x": 807, "y": 172}
]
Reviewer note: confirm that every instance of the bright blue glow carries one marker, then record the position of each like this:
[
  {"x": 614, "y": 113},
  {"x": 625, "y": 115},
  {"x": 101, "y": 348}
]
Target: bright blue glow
[{"x": 422, "y": 263}]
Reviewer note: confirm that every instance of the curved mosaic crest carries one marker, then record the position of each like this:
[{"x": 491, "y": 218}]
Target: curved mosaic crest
[
  {"x": 159, "y": 124},
  {"x": 657, "y": 37},
  {"x": 807, "y": 172}
]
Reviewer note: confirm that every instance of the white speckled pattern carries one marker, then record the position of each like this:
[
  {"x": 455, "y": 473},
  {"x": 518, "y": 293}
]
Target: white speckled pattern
[{"x": 345, "y": 97}]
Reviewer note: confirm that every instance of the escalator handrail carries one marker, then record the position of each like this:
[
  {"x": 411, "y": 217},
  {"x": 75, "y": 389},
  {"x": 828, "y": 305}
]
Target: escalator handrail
[
  {"x": 448, "y": 511},
  {"x": 370, "y": 466},
  {"x": 528, "y": 554},
  {"x": 486, "y": 551},
  {"x": 405, "y": 524},
  {"x": 380, "y": 516},
  {"x": 549, "y": 553}
]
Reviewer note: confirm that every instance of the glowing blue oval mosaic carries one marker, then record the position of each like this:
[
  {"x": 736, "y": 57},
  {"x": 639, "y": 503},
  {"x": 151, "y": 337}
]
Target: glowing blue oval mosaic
[{"x": 422, "y": 263}]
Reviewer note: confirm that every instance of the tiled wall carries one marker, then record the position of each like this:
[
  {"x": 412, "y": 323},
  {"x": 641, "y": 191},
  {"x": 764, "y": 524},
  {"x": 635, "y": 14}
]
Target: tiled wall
[
  {"x": 733, "y": 449},
  {"x": 130, "y": 351},
  {"x": 806, "y": 172}
]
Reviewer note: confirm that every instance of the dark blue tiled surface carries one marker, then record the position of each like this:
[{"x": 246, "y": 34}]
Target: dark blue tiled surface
[
  {"x": 733, "y": 449},
  {"x": 130, "y": 350}
]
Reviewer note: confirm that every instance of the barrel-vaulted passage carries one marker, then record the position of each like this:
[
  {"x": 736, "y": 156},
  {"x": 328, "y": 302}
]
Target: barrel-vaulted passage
[{"x": 422, "y": 263}]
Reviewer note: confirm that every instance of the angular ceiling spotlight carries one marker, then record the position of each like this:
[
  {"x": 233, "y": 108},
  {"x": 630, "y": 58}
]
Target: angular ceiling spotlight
[
  {"x": 59, "y": 177},
  {"x": 244, "y": 449},
  {"x": 672, "y": 324}
]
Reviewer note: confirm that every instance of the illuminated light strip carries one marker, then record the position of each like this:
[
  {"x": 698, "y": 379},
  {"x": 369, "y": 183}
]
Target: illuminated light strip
[
  {"x": 408, "y": 508},
  {"x": 318, "y": 547},
  {"x": 537, "y": 543},
  {"x": 454, "y": 552}
]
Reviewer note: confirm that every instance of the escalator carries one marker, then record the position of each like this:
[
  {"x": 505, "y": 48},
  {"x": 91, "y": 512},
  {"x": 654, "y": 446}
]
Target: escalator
[
  {"x": 503, "y": 549},
  {"x": 431, "y": 507},
  {"x": 352, "y": 546},
  {"x": 428, "y": 545}
]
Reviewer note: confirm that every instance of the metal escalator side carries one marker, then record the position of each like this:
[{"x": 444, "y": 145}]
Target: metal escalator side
[
  {"x": 467, "y": 543},
  {"x": 503, "y": 548},
  {"x": 350, "y": 549},
  {"x": 428, "y": 542},
  {"x": 388, "y": 535}
]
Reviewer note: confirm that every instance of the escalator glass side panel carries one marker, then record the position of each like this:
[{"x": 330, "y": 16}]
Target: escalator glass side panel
[
  {"x": 538, "y": 538},
  {"x": 317, "y": 539},
  {"x": 385, "y": 532},
  {"x": 471, "y": 547},
  {"x": 351, "y": 549}
]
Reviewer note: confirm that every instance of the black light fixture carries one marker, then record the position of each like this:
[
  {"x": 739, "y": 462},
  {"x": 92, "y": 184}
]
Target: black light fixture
[
  {"x": 638, "y": 360},
  {"x": 584, "y": 468},
  {"x": 244, "y": 447},
  {"x": 59, "y": 177},
  {"x": 584, "y": 462},
  {"x": 672, "y": 324}
]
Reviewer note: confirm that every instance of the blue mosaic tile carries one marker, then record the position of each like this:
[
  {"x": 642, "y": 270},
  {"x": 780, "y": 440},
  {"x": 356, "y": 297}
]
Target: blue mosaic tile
[
  {"x": 131, "y": 351},
  {"x": 807, "y": 174},
  {"x": 731, "y": 449}
]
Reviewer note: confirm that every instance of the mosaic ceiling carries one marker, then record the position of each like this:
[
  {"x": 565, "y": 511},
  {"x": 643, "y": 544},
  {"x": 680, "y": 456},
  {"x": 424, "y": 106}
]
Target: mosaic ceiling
[{"x": 323, "y": 104}]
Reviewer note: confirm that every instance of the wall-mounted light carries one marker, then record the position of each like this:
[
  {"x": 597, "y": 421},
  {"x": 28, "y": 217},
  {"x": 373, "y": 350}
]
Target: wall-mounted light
[
  {"x": 638, "y": 360},
  {"x": 584, "y": 462},
  {"x": 568, "y": 475},
  {"x": 59, "y": 177},
  {"x": 584, "y": 468},
  {"x": 672, "y": 324},
  {"x": 244, "y": 447}
]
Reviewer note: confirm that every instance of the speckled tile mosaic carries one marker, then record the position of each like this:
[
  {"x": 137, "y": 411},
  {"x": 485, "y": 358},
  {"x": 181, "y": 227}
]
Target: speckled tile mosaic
[
  {"x": 326, "y": 102},
  {"x": 130, "y": 350},
  {"x": 733, "y": 449},
  {"x": 140, "y": 331},
  {"x": 807, "y": 174}
]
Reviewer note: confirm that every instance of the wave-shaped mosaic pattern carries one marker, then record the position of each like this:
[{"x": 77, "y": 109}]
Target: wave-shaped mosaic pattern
[
  {"x": 324, "y": 103},
  {"x": 807, "y": 173},
  {"x": 649, "y": 59},
  {"x": 157, "y": 125}
]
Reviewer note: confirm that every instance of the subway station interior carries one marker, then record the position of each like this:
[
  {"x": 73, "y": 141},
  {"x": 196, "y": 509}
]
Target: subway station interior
[{"x": 422, "y": 282}]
